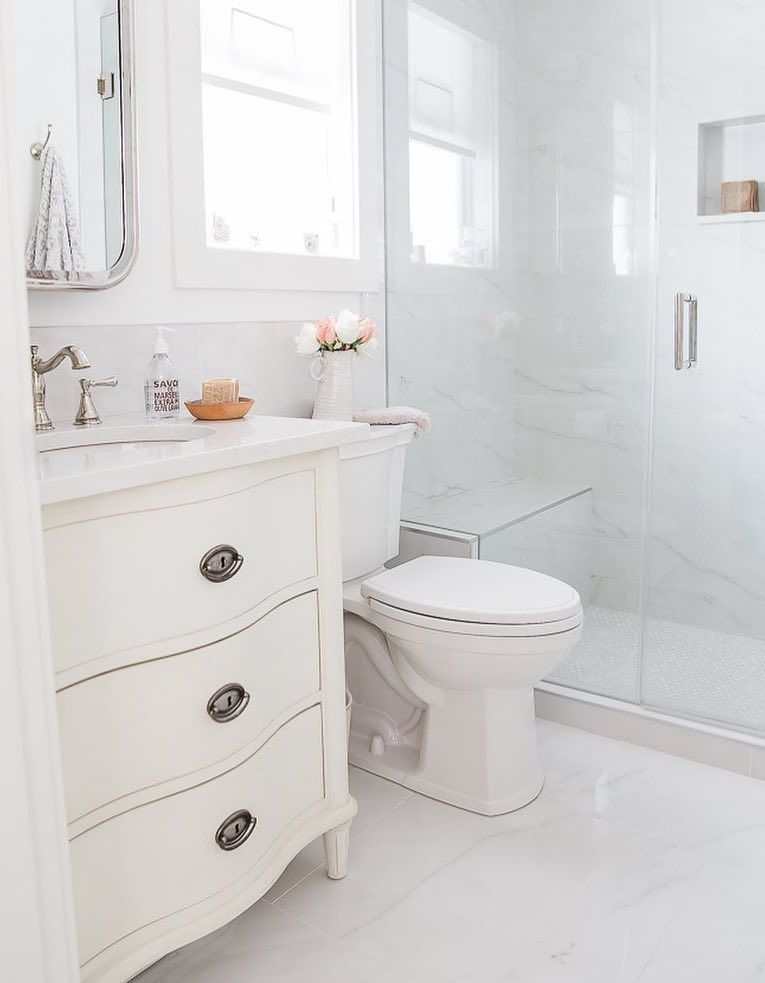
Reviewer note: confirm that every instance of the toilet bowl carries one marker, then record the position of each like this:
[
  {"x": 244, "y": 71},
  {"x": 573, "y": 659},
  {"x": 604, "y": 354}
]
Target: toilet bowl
[{"x": 442, "y": 653}]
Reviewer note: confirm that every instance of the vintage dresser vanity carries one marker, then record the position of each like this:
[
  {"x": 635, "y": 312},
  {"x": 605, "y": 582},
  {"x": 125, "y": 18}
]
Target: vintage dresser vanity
[{"x": 196, "y": 618}]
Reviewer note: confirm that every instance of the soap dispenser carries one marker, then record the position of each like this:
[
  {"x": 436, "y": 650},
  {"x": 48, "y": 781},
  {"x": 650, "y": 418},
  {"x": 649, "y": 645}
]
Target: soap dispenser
[{"x": 162, "y": 390}]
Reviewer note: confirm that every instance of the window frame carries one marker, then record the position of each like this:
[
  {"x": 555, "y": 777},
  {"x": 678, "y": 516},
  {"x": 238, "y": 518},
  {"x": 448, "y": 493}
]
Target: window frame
[{"x": 199, "y": 265}]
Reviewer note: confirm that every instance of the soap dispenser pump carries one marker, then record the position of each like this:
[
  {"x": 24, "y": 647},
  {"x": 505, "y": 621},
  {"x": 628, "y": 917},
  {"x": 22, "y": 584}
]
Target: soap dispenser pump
[{"x": 162, "y": 389}]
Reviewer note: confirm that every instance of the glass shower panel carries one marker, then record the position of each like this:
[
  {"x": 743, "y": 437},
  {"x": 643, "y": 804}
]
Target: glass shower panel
[
  {"x": 705, "y": 629},
  {"x": 585, "y": 276},
  {"x": 450, "y": 272},
  {"x": 520, "y": 291}
]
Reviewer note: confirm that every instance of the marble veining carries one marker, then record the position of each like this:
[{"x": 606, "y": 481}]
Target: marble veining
[
  {"x": 557, "y": 365},
  {"x": 490, "y": 508},
  {"x": 631, "y": 867}
]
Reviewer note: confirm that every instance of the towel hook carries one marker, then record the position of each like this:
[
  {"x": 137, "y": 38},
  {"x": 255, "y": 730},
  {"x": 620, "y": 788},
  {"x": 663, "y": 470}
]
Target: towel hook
[{"x": 36, "y": 150}]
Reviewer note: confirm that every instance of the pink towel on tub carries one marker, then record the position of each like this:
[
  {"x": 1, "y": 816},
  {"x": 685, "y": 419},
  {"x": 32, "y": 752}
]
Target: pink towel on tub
[{"x": 394, "y": 416}]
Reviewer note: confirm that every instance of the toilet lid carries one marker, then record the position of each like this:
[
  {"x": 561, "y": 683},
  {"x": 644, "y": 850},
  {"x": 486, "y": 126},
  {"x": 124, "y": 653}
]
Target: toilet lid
[{"x": 477, "y": 591}]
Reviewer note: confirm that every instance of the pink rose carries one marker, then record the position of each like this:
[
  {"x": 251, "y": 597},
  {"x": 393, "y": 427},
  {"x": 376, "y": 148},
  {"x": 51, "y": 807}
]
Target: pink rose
[
  {"x": 325, "y": 331},
  {"x": 368, "y": 330}
]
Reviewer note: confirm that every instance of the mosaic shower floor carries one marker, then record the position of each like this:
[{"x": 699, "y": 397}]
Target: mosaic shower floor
[{"x": 688, "y": 670}]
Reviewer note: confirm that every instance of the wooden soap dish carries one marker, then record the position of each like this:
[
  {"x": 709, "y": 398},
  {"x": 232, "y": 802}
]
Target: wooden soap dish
[{"x": 220, "y": 411}]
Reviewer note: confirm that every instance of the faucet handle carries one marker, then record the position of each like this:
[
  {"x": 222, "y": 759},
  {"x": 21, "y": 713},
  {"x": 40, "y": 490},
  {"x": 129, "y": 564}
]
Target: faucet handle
[
  {"x": 87, "y": 415},
  {"x": 87, "y": 384}
]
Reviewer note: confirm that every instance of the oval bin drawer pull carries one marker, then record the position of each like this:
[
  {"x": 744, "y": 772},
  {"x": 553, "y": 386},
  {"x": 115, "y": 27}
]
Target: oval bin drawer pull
[
  {"x": 235, "y": 830},
  {"x": 221, "y": 564},
  {"x": 228, "y": 703}
]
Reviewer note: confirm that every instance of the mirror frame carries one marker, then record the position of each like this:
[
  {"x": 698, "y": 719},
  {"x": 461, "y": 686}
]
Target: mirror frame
[{"x": 103, "y": 279}]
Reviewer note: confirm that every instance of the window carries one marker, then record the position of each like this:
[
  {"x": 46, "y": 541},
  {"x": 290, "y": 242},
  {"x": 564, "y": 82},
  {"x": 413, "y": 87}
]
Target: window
[
  {"x": 278, "y": 114},
  {"x": 452, "y": 143},
  {"x": 275, "y": 116}
]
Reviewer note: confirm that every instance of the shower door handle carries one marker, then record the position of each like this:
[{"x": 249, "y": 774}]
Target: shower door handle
[{"x": 691, "y": 302}]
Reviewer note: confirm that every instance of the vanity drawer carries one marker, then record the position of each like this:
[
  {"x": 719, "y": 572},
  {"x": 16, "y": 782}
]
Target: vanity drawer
[
  {"x": 135, "y": 728},
  {"x": 147, "y": 864},
  {"x": 143, "y": 583}
]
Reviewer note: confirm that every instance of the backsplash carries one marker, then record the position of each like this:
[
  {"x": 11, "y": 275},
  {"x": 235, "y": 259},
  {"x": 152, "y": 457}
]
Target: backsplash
[{"x": 261, "y": 355}]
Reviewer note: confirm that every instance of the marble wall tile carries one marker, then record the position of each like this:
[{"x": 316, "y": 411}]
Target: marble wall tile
[
  {"x": 115, "y": 350},
  {"x": 260, "y": 355},
  {"x": 707, "y": 529},
  {"x": 539, "y": 368},
  {"x": 557, "y": 542}
]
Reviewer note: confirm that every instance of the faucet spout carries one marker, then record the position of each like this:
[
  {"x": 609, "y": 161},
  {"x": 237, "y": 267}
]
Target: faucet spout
[
  {"x": 77, "y": 357},
  {"x": 40, "y": 367}
]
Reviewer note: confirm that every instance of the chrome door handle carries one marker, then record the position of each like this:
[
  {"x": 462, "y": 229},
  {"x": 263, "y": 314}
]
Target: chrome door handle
[
  {"x": 691, "y": 302},
  {"x": 693, "y": 331}
]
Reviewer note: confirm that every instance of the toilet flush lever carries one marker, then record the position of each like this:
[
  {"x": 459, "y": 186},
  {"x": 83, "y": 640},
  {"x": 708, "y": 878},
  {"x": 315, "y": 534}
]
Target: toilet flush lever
[{"x": 690, "y": 303}]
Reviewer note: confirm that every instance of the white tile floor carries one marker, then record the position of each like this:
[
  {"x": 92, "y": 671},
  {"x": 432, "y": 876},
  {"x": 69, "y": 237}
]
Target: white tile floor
[{"x": 631, "y": 866}]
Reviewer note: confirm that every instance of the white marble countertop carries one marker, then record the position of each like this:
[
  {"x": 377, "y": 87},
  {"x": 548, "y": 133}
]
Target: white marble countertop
[{"x": 131, "y": 452}]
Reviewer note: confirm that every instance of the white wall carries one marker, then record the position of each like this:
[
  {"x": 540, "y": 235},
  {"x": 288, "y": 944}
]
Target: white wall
[
  {"x": 257, "y": 340},
  {"x": 42, "y": 41}
]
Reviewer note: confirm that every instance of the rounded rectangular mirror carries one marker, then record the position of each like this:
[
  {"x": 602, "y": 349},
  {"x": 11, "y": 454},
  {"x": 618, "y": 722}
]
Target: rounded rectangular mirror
[{"x": 84, "y": 223}]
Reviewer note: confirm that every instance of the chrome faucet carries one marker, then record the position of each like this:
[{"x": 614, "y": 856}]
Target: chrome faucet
[
  {"x": 40, "y": 367},
  {"x": 87, "y": 414}
]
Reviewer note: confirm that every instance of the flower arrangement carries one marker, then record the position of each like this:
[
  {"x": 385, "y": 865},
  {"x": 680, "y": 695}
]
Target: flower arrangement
[{"x": 347, "y": 332}]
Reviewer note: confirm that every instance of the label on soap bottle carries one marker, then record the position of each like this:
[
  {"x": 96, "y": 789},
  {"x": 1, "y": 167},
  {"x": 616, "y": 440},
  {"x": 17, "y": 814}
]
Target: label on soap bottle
[{"x": 162, "y": 398}]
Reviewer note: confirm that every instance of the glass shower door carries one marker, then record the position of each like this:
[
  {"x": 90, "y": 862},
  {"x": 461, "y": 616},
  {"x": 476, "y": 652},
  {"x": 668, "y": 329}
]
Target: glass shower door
[{"x": 704, "y": 630}]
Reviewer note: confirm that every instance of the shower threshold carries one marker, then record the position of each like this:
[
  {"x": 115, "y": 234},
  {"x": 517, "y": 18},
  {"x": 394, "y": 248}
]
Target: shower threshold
[{"x": 706, "y": 743}]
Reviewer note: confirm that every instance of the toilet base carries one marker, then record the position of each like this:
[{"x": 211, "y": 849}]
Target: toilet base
[{"x": 475, "y": 749}]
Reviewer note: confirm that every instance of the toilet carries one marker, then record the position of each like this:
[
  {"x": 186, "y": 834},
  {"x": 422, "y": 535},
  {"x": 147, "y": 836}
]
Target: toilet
[{"x": 442, "y": 652}]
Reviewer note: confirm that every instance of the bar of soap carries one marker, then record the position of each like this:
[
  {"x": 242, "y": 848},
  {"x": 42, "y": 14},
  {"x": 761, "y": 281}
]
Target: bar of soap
[
  {"x": 220, "y": 391},
  {"x": 739, "y": 196}
]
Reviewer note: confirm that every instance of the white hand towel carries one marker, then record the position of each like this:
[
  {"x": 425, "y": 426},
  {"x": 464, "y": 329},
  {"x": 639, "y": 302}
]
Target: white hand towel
[
  {"x": 394, "y": 416},
  {"x": 54, "y": 250}
]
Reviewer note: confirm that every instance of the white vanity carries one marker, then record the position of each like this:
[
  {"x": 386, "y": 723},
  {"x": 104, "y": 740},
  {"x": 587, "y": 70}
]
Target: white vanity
[{"x": 196, "y": 610}]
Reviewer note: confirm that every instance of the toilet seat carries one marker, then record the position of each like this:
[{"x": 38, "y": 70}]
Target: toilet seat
[{"x": 474, "y": 597}]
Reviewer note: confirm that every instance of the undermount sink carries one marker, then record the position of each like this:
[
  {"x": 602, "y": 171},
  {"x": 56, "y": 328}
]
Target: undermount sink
[
  {"x": 123, "y": 439},
  {"x": 110, "y": 449},
  {"x": 129, "y": 452}
]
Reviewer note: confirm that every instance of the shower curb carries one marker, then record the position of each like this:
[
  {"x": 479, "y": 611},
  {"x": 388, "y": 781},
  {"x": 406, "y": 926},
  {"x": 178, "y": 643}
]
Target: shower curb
[{"x": 696, "y": 741}]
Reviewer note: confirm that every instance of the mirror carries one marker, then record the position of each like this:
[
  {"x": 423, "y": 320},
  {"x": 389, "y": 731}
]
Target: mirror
[{"x": 83, "y": 215}]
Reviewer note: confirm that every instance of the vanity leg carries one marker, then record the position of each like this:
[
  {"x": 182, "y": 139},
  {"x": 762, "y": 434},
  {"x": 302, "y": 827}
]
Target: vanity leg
[{"x": 336, "y": 851}]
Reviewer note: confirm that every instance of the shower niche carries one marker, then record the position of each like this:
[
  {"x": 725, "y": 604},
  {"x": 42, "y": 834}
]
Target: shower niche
[{"x": 730, "y": 150}]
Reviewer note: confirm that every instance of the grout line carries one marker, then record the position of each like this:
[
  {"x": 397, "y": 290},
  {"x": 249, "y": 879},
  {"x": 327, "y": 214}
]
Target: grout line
[
  {"x": 333, "y": 939},
  {"x": 670, "y": 918},
  {"x": 359, "y": 836},
  {"x": 302, "y": 921},
  {"x": 310, "y": 873}
]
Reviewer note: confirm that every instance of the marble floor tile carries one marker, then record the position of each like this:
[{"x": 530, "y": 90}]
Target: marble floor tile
[
  {"x": 269, "y": 946},
  {"x": 630, "y": 867},
  {"x": 561, "y": 897},
  {"x": 716, "y": 935},
  {"x": 717, "y": 813},
  {"x": 400, "y": 855},
  {"x": 375, "y": 796}
]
